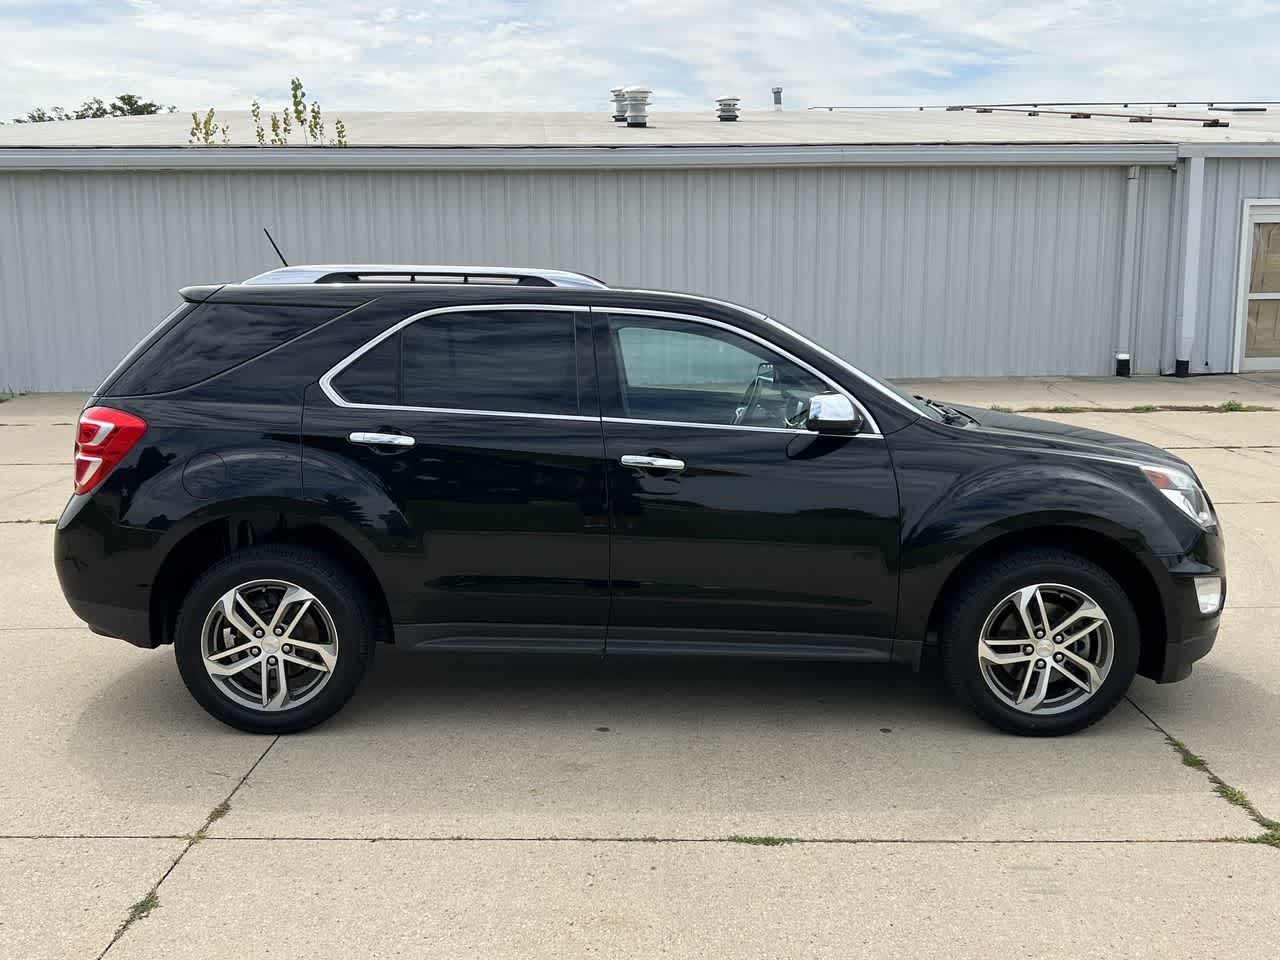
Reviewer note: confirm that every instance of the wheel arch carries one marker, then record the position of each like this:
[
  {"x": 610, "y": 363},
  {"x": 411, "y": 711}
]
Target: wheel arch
[
  {"x": 204, "y": 545},
  {"x": 1110, "y": 554}
]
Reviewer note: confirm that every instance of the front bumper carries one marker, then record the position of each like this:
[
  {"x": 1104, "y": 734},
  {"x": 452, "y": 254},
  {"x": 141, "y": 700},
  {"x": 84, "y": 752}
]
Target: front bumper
[
  {"x": 1189, "y": 634},
  {"x": 1186, "y": 648}
]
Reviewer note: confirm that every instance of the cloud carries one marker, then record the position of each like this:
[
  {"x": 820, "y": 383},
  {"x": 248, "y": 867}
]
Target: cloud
[{"x": 564, "y": 54}]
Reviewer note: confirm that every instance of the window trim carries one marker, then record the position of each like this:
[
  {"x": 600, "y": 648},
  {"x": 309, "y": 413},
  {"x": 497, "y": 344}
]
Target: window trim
[
  {"x": 872, "y": 428},
  {"x": 326, "y": 381},
  {"x": 1256, "y": 211}
]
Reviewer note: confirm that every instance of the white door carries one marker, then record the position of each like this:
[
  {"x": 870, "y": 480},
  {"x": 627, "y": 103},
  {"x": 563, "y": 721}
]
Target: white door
[{"x": 1259, "y": 320}]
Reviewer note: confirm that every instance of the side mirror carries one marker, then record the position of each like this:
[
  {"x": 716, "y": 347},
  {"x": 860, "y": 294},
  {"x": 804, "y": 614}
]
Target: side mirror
[{"x": 832, "y": 413}]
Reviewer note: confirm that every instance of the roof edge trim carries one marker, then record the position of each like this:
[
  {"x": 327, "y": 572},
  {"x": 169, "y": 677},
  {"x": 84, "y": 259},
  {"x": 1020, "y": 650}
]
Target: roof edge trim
[{"x": 569, "y": 158}]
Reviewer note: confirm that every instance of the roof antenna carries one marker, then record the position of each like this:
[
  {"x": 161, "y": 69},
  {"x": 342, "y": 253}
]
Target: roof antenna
[{"x": 274, "y": 247}]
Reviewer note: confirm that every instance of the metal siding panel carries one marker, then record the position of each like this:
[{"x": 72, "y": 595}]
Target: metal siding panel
[
  {"x": 1154, "y": 271},
  {"x": 1228, "y": 183},
  {"x": 942, "y": 271}
]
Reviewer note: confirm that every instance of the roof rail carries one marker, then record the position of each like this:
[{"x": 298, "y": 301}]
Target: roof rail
[{"x": 417, "y": 273}]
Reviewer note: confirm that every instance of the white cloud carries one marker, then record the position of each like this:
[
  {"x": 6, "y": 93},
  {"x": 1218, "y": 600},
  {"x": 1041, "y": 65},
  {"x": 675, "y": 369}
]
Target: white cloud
[{"x": 564, "y": 55}]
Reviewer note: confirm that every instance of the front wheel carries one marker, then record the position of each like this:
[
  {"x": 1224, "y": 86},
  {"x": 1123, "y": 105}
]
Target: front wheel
[
  {"x": 1041, "y": 642},
  {"x": 274, "y": 638}
]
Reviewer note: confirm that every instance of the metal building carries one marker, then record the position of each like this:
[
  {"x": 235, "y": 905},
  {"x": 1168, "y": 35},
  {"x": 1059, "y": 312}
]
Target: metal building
[{"x": 915, "y": 243}]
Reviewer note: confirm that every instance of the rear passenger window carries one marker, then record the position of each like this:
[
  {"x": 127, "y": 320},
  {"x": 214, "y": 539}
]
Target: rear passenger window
[
  {"x": 512, "y": 361},
  {"x": 374, "y": 377},
  {"x": 213, "y": 338}
]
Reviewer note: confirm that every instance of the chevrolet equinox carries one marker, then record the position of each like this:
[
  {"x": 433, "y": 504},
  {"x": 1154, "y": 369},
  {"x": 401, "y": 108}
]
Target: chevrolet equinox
[{"x": 289, "y": 471}]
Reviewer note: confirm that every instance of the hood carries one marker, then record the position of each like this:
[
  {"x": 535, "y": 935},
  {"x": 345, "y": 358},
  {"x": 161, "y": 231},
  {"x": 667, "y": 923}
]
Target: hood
[{"x": 1011, "y": 428}]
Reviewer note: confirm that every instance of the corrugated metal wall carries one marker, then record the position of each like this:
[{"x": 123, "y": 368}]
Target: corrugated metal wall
[
  {"x": 1227, "y": 184},
  {"x": 942, "y": 271}
]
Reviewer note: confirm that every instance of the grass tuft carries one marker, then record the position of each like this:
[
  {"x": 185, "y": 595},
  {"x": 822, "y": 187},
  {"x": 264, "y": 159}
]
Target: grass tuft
[
  {"x": 139, "y": 911},
  {"x": 762, "y": 841},
  {"x": 220, "y": 811},
  {"x": 1233, "y": 795},
  {"x": 1271, "y": 838},
  {"x": 1188, "y": 758},
  {"x": 1001, "y": 409},
  {"x": 1230, "y": 406}
]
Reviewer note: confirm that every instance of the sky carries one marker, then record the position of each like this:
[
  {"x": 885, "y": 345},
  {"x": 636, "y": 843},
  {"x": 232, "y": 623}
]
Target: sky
[{"x": 565, "y": 55}]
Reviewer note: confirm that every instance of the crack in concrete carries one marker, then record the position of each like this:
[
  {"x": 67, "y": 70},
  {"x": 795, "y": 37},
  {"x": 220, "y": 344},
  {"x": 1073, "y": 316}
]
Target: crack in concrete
[
  {"x": 1232, "y": 795},
  {"x": 141, "y": 909}
]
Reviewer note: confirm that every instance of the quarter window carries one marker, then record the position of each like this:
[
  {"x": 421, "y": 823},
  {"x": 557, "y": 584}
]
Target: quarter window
[
  {"x": 688, "y": 372},
  {"x": 516, "y": 361}
]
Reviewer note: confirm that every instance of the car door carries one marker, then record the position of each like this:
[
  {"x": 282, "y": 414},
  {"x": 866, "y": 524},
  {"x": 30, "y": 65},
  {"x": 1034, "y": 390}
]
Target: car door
[
  {"x": 735, "y": 530},
  {"x": 465, "y": 447}
]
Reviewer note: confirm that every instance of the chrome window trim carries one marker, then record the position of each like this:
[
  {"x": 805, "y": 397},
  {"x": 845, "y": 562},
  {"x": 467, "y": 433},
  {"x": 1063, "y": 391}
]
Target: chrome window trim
[
  {"x": 840, "y": 361},
  {"x": 866, "y": 414},
  {"x": 326, "y": 381},
  {"x": 812, "y": 345},
  {"x": 699, "y": 297},
  {"x": 793, "y": 431}
]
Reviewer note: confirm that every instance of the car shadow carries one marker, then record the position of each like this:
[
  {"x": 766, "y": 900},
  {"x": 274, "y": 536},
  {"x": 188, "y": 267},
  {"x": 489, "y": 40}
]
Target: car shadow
[{"x": 407, "y": 687}]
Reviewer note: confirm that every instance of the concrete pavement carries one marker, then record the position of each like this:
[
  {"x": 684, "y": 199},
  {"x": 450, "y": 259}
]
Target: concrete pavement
[{"x": 527, "y": 808}]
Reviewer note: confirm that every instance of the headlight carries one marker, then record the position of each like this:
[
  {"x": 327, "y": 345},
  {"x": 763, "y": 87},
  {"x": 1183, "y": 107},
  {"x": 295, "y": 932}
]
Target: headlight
[{"x": 1181, "y": 489}]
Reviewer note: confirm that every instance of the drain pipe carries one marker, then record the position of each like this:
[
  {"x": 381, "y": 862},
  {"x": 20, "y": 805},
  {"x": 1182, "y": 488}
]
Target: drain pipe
[
  {"x": 1190, "y": 266},
  {"x": 1128, "y": 258}
]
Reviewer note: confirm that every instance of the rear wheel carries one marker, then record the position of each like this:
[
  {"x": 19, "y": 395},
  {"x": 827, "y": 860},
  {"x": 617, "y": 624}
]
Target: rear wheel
[
  {"x": 274, "y": 639},
  {"x": 1041, "y": 642}
]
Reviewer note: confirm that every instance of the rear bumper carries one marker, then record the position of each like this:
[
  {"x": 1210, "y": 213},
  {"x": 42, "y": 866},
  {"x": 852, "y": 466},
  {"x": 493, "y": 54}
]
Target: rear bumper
[{"x": 108, "y": 589}]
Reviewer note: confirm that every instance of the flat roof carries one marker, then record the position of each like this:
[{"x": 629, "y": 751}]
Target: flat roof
[{"x": 788, "y": 128}]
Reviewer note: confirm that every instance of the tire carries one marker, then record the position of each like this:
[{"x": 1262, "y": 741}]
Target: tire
[
  {"x": 335, "y": 629},
  {"x": 988, "y": 606}
]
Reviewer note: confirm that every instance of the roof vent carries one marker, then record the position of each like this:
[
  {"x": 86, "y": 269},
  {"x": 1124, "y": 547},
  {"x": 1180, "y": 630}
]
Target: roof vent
[
  {"x": 619, "y": 104},
  {"x": 777, "y": 98},
  {"x": 637, "y": 106},
  {"x": 727, "y": 107}
]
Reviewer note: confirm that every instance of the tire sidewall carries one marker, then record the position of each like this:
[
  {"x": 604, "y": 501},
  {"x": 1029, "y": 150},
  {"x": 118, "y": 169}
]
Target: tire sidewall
[
  {"x": 331, "y": 586},
  {"x": 968, "y": 617}
]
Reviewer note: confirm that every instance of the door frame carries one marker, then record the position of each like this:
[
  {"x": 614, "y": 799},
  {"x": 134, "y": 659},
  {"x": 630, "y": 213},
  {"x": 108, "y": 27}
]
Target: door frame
[{"x": 1255, "y": 211}]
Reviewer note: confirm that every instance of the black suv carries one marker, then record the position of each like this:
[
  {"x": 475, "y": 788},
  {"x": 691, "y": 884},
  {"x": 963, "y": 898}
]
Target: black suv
[{"x": 289, "y": 471}]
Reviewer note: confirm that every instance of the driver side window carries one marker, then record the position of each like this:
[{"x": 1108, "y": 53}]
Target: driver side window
[{"x": 686, "y": 372}]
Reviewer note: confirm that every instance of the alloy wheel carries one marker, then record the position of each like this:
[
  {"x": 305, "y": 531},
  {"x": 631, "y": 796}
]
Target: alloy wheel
[
  {"x": 269, "y": 645},
  {"x": 1046, "y": 648}
]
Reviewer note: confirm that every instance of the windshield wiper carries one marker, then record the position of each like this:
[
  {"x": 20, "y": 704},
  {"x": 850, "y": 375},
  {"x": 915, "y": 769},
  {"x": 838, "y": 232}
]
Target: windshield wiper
[{"x": 949, "y": 414}]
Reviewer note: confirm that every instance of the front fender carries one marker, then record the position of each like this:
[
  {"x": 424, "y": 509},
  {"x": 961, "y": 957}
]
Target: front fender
[{"x": 992, "y": 495}]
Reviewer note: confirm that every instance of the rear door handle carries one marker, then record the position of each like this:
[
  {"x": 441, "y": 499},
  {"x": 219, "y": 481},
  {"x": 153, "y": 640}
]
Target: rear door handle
[
  {"x": 653, "y": 463},
  {"x": 382, "y": 439}
]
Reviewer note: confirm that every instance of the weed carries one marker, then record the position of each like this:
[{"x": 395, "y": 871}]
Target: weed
[
  {"x": 762, "y": 841},
  {"x": 1000, "y": 409},
  {"x": 139, "y": 911},
  {"x": 1233, "y": 795}
]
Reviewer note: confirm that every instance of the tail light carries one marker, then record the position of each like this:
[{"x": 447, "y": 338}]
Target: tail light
[{"x": 103, "y": 437}]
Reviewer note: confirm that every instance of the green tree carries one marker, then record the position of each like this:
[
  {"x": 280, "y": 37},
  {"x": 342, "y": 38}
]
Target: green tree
[{"x": 124, "y": 105}]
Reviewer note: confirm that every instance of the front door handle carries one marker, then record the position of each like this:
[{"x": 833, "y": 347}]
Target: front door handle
[
  {"x": 382, "y": 439},
  {"x": 653, "y": 463}
]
